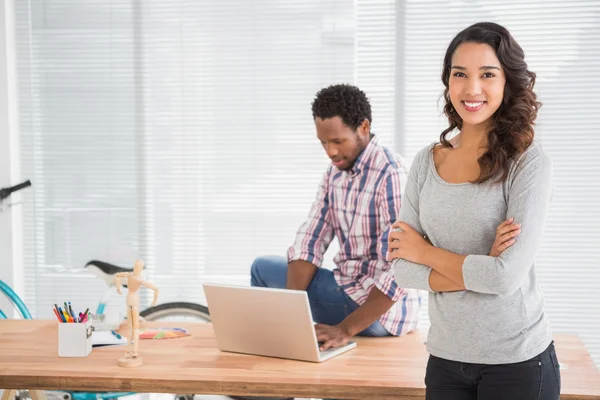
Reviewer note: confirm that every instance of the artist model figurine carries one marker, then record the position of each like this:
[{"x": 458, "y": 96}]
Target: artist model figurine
[{"x": 134, "y": 281}]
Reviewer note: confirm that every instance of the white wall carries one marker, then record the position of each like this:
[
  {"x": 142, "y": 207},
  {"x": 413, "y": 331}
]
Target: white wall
[{"x": 10, "y": 220}]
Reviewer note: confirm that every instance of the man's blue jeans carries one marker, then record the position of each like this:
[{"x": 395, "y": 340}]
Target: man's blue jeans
[{"x": 329, "y": 303}]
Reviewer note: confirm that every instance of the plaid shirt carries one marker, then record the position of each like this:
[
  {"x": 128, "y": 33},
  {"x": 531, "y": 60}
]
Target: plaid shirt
[{"x": 359, "y": 207}]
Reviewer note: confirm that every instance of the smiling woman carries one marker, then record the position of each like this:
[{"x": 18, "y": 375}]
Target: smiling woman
[
  {"x": 488, "y": 86},
  {"x": 489, "y": 336}
]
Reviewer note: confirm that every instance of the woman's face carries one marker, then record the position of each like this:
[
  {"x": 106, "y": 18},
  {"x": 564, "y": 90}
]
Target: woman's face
[{"x": 476, "y": 84}]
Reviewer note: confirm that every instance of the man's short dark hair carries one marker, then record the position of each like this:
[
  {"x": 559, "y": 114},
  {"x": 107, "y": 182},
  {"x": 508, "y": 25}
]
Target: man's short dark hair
[{"x": 345, "y": 101}]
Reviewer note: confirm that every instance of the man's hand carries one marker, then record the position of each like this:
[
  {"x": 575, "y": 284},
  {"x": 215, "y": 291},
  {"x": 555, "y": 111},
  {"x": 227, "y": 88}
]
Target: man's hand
[
  {"x": 331, "y": 336},
  {"x": 407, "y": 244},
  {"x": 360, "y": 319},
  {"x": 505, "y": 236}
]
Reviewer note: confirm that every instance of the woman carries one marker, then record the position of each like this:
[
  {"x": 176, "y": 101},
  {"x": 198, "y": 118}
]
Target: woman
[{"x": 489, "y": 337}]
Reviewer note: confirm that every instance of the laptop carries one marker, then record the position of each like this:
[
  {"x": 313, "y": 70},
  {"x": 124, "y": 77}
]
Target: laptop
[{"x": 266, "y": 322}]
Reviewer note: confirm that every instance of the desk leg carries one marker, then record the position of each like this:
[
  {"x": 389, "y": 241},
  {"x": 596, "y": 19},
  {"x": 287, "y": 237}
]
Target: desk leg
[
  {"x": 9, "y": 394},
  {"x": 37, "y": 395}
]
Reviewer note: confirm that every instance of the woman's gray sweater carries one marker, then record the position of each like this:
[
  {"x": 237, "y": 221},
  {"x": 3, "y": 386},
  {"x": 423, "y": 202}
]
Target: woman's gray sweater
[{"x": 500, "y": 317}]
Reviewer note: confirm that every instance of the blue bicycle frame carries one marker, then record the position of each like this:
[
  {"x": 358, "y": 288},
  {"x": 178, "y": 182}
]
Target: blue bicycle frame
[{"x": 16, "y": 300}]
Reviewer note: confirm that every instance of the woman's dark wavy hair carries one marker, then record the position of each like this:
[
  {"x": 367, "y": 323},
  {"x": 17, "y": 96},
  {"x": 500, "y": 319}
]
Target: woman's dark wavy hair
[{"x": 512, "y": 130}]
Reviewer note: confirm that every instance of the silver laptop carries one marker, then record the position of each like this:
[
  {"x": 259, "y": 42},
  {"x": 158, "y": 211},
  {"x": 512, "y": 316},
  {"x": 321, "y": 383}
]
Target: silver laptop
[{"x": 266, "y": 322}]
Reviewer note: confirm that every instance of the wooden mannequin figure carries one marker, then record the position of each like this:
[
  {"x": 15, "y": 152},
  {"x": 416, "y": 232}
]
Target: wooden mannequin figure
[{"x": 134, "y": 282}]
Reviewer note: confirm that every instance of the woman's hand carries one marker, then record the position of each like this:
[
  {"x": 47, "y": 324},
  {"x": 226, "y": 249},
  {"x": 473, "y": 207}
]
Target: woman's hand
[
  {"x": 406, "y": 243},
  {"x": 506, "y": 233}
]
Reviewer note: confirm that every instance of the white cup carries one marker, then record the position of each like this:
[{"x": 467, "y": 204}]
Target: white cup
[{"x": 74, "y": 339}]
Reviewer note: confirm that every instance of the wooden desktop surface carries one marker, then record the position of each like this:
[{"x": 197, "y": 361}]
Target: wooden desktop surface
[{"x": 378, "y": 368}]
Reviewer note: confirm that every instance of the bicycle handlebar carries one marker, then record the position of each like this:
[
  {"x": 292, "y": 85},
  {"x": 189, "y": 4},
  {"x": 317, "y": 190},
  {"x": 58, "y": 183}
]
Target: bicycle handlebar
[{"x": 4, "y": 193}]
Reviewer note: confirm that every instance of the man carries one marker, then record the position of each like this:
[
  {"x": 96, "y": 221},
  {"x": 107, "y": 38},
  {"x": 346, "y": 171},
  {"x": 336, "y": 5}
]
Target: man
[{"x": 358, "y": 200}]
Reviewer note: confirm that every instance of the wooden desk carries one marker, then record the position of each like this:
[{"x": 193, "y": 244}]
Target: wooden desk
[{"x": 382, "y": 368}]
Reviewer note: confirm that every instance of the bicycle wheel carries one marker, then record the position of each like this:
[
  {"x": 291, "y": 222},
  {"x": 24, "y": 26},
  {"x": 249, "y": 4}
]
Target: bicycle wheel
[{"x": 177, "y": 311}]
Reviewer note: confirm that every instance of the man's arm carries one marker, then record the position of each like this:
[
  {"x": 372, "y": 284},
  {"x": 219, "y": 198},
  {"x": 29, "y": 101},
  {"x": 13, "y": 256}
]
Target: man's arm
[
  {"x": 300, "y": 274},
  {"x": 385, "y": 292},
  {"x": 388, "y": 201},
  {"x": 374, "y": 307},
  {"x": 312, "y": 240}
]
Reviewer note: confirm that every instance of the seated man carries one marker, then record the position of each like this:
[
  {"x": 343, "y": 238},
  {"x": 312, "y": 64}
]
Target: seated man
[{"x": 357, "y": 202}]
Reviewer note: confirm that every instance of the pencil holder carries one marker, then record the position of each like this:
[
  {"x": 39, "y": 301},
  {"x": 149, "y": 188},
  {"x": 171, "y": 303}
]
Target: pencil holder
[{"x": 74, "y": 339}]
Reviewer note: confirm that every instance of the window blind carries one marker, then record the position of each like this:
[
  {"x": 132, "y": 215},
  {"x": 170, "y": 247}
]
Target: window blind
[{"x": 181, "y": 132}]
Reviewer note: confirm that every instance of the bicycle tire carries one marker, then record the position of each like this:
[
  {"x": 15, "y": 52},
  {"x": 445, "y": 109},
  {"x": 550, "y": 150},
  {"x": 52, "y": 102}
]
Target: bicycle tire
[{"x": 174, "y": 309}]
